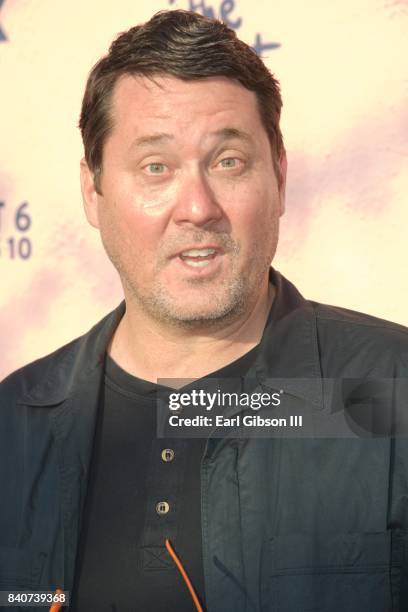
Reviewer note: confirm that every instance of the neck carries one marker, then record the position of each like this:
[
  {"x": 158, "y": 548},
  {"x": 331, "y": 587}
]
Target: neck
[{"x": 150, "y": 350}]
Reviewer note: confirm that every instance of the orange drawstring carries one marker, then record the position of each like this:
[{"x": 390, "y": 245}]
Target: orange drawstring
[
  {"x": 57, "y": 605},
  {"x": 184, "y": 575}
]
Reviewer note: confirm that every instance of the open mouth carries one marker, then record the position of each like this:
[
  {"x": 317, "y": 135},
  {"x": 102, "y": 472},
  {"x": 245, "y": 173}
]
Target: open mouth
[{"x": 198, "y": 258}]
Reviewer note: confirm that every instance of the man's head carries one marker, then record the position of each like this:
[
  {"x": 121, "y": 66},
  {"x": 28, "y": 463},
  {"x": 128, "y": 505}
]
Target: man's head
[{"x": 183, "y": 150}]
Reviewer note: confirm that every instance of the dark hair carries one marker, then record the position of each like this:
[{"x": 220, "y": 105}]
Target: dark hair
[{"x": 186, "y": 45}]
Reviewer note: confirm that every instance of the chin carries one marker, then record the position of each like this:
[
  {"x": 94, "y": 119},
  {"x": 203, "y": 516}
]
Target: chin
[
  {"x": 186, "y": 313},
  {"x": 194, "y": 306}
]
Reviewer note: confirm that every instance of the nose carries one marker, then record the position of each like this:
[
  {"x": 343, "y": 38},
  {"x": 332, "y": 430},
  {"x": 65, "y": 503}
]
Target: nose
[{"x": 196, "y": 202}]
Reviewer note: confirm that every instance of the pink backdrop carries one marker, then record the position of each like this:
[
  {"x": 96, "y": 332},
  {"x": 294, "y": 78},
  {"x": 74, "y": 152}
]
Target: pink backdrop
[{"x": 343, "y": 72}]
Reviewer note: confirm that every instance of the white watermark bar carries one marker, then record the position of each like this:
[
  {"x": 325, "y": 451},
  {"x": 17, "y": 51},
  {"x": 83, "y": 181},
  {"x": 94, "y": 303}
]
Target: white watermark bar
[
  {"x": 284, "y": 408},
  {"x": 33, "y": 598}
]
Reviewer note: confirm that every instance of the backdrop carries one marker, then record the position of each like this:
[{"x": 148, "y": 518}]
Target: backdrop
[{"x": 343, "y": 71}]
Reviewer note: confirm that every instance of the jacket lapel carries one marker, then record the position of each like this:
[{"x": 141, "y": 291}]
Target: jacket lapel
[{"x": 71, "y": 389}]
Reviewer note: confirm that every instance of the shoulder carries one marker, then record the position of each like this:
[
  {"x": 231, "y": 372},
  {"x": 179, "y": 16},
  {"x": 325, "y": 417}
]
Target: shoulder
[
  {"x": 360, "y": 338},
  {"x": 49, "y": 378},
  {"x": 22, "y": 381},
  {"x": 359, "y": 323}
]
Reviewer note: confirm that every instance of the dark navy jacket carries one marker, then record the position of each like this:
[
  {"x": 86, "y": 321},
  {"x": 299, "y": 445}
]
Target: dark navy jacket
[{"x": 289, "y": 524}]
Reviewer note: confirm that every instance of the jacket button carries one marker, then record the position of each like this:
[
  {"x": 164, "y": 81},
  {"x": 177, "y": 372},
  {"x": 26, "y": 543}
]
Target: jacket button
[
  {"x": 167, "y": 454},
  {"x": 162, "y": 507}
]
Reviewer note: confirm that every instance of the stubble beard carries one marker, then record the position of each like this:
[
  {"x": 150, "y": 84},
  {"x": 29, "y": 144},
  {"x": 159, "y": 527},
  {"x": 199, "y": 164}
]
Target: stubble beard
[
  {"x": 213, "y": 305},
  {"x": 217, "y": 307},
  {"x": 212, "y": 308}
]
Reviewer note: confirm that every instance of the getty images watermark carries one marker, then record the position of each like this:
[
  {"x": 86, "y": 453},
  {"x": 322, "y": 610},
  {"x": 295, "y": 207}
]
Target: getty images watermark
[
  {"x": 292, "y": 407},
  {"x": 221, "y": 399},
  {"x": 197, "y": 412}
]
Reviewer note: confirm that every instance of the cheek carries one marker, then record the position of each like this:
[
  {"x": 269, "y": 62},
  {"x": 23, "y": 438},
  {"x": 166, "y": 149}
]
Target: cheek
[
  {"x": 256, "y": 214},
  {"x": 136, "y": 196},
  {"x": 129, "y": 231}
]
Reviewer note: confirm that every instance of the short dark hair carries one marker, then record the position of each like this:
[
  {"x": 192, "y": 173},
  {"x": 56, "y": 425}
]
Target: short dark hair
[{"x": 186, "y": 45}]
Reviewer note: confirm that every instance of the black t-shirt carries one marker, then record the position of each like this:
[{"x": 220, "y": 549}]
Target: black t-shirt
[{"x": 141, "y": 489}]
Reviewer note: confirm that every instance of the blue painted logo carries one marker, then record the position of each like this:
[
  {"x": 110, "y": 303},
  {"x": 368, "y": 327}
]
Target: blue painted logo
[
  {"x": 224, "y": 14},
  {"x": 3, "y": 37}
]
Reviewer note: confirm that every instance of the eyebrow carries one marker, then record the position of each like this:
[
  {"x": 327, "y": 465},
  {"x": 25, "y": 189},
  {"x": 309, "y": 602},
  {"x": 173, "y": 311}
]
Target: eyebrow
[{"x": 228, "y": 133}]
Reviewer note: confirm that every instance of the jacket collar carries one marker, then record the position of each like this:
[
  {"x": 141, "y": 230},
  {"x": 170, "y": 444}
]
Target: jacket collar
[
  {"x": 288, "y": 355},
  {"x": 73, "y": 365}
]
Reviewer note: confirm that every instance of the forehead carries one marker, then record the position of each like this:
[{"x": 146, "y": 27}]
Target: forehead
[{"x": 140, "y": 104}]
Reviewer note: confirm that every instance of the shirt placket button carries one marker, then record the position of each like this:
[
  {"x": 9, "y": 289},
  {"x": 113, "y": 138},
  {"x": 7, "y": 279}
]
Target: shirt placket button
[
  {"x": 162, "y": 507},
  {"x": 167, "y": 454}
]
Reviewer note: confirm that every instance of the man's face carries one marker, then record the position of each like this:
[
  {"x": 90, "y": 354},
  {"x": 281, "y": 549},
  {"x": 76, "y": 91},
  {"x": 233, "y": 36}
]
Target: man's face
[{"x": 190, "y": 208}]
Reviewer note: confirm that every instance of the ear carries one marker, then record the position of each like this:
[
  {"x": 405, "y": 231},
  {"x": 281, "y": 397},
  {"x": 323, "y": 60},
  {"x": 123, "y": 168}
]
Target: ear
[
  {"x": 283, "y": 166},
  {"x": 89, "y": 194}
]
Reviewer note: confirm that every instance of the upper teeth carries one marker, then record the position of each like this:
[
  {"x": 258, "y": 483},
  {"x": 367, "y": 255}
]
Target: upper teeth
[{"x": 198, "y": 252}]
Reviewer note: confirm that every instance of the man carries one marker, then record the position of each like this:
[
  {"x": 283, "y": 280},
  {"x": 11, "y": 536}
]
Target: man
[{"x": 184, "y": 176}]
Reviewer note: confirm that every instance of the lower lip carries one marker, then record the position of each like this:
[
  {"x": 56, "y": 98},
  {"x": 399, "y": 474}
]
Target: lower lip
[{"x": 209, "y": 267}]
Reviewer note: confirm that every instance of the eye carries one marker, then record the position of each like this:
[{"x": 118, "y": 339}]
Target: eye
[
  {"x": 230, "y": 162},
  {"x": 156, "y": 168}
]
